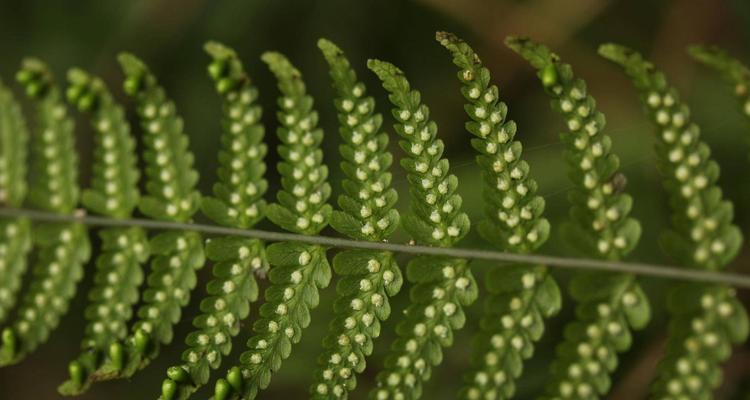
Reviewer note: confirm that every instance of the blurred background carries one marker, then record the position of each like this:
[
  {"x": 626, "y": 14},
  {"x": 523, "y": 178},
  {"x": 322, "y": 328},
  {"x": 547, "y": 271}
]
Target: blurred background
[{"x": 169, "y": 35}]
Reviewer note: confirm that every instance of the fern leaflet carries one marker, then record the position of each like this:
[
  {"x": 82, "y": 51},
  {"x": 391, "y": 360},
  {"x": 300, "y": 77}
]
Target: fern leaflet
[
  {"x": 707, "y": 319},
  {"x": 170, "y": 182},
  {"x": 113, "y": 193},
  {"x": 298, "y": 270},
  {"x": 238, "y": 202},
  {"x": 609, "y": 304},
  {"x": 442, "y": 285},
  {"x": 732, "y": 70},
  {"x": 369, "y": 278},
  {"x": 62, "y": 248},
  {"x": 520, "y": 297},
  {"x": 15, "y": 234}
]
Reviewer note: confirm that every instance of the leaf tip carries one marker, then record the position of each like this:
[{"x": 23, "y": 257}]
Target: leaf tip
[
  {"x": 614, "y": 52},
  {"x": 130, "y": 64},
  {"x": 446, "y": 38},
  {"x": 218, "y": 50},
  {"x": 515, "y": 43}
]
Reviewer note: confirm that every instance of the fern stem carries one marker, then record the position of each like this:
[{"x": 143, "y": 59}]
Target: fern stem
[{"x": 502, "y": 259}]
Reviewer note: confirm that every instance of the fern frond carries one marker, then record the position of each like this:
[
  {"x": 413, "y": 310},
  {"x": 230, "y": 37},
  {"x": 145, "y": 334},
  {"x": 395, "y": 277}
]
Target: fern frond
[
  {"x": 367, "y": 205},
  {"x": 14, "y": 135},
  {"x": 113, "y": 193},
  {"x": 369, "y": 277},
  {"x": 54, "y": 165},
  {"x": 15, "y": 243},
  {"x": 15, "y": 235},
  {"x": 114, "y": 190},
  {"x": 171, "y": 178},
  {"x": 609, "y": 304},
  {"x": 230, "y": 293},
  {"x": 442, "y": 284},
  {"x": 239, "y": 203},
  {"x": 170, "y": 183},
  {"x": 238, "y": 200},
  {"x": 522, "y": 297},
  {"x": 62, "y": 248},
  {"x": 702, "y": 236},
  {"x": 298, "y": 270},
  {"x": 731, "y": 69}
]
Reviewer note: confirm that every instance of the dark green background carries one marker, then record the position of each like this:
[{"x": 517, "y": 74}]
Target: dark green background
[{"x": 169, "y": 35}]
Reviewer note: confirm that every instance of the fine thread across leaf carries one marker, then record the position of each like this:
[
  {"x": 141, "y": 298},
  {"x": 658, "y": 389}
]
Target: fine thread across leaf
[
  {"x": 368, "y": 277},
  {"x": 298, "y": 270},
  {"x": 238, "y": 202},
  {"x": 707, "y": 319},
  {"x": 62, "y": 248},
  {"x": 15, "y": 233},
  {"x": 499, "y": 258},
  {"x": 609, "y": 305},
  {"x": 519, "y": 297},
  {"x": 114, "y": 193},
  {"x": 170, "y": 196},
  {"x": 442, "y": 285}
]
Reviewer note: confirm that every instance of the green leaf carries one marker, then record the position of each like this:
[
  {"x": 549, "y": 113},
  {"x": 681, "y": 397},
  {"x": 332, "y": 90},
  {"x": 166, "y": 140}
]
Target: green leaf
[
  {"x": 170, "y": 175},
  {"x": 113, "y": 191},
  {"x": 52, "y": 188},
  {"x": 442, "y": 286},
  {"x": 514, "y": 224},
  {"x": 702, "y": 234},
  {"x": 177, "y": 255},
  {"x": 302, "y": 204},
  {"x": 238, "y": 200},
  {"x": 15, "y": 239},
  {"x": 112, "y": 298},
  {"x": 298, "y": 271},
  {"x": 637, "y": 308},
  {"x": 347, "y": 224},
  {"x": 548, "y": 297},
  {"x": 600, "y": 226},
  {"x": 61, "y": 248},
  {"x": 57, "y": 270},
  {"x": 14, "y": 138},
  {"x": 282, "y": 217},
  {"x": 436, "y": 218},
  {"x": 233, "y": 287}
]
